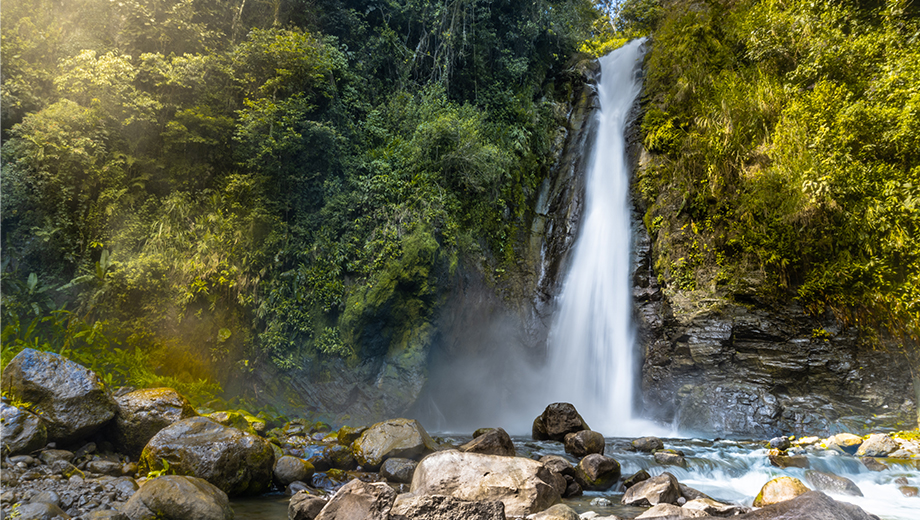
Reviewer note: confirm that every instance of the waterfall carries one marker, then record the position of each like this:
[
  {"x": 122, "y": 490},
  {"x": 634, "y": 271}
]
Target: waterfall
[{"x": 592, "y": 338}]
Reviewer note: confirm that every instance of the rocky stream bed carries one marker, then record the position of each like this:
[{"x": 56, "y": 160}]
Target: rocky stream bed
[{"x": 72, "y": 449}]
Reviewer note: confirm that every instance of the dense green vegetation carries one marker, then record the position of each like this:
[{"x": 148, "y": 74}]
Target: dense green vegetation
[
  {"x": 786, "y": 143},
  {"x": 196, "y": 187}
]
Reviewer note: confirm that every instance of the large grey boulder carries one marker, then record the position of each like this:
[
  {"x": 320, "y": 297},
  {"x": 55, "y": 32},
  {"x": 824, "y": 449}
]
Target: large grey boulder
[
  {"x": 22, "y": 431},
  {"x": 237, "y": 462},
  {"x": 143, "y": 413},
  {"x": 660, "y": 489},
  {"x": 524, "y": 486},
  {"x": 404, "y": 438},
  {"x": 597, "y": 472},
  {"x": 813, "y": 505},
  {"x": 557, "y": 421},
  {"x": 832, "y": 483},
  {"x": 359, "y": 501},
  {"x": 877, "y": 445},
  {"x": 71, "y": 400},
  {"x": 441, "y": 507},
  {"x": 495, "y": 441},
  {"x": 176, "y": 497}
]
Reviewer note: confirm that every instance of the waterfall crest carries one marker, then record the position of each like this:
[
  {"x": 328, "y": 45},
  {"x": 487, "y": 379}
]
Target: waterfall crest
[{"x": 592, "y": 339}]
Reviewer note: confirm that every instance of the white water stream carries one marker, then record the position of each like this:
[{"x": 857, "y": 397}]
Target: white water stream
[{"x": 592, "y": 339}]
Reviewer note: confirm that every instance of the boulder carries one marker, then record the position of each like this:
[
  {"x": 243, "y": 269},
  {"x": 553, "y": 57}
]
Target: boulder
[
  {"x": 691, "y": 494},
  {"x": 597, "y": 472},
  {"x": 711, "y": 507},
  {"x": 524, "y": 486},
  {"x": 104, "y": 467},
  {"x": 441, "y": 507},
  {"x": 670, "y": 511},
  {"x": 176, "y": 497},
  {"x": 779, "y": 490},
  {"x": 347, "y": 435},
  {"x": 877, "y": 445},
  {"x": 22, "y": 431},
  {"x": 584, "y": 443},
  {"x": 289, "y": 469},
  {"x": 492, "y": 442},
  {"x": 359, "y": 501},
  {"x": 873, "y": 464},
  {"x": 71, "y": 400},
  {"x": 38, "y": 511},
  {"x": 52, "y": 456},
  {"x": 832, "y": 483},
  {"x": 813, "y": 505},
  {"x": 909, "y": 491},
  {"x": 557, "y": 512},
  {"x": 105, "y": 514},
  {"x": 782, "y": 459},
  {"x": 538, "y": 430},
  {"x": 561, "y": 419},
  {"x": 304, "y": 506},
  {"x": 648, "y": 444},
  {"x": 780, "y": 443},
  {"x": 398, "y": 470},
  {"x": 557, "y": 464},
  {"x": 143, "y": 413},
  {"x": 670, "y": 458},
  {"x": 635, "y": 478},
  {"x": 845, "y": 442},
  {"x": 404, "y": 438},
  {"x": 239, "y": 463},
  {"x": 661, "y": 489}
]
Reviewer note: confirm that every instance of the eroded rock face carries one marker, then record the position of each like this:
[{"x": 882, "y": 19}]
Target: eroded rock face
[
  {"x": 143, "y": 413},
  {"x": 524, "y": 486},
  {"x": 71, "y": 400},
  {"x": 239, "y": 463},
  {"x": 175, "y": 497},
  {"x": 22, "y": 430},
  {"x": 404, "y": 438}
]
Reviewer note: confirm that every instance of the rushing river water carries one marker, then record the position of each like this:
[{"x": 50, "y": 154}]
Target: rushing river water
[{"x": 727, "y": 470}]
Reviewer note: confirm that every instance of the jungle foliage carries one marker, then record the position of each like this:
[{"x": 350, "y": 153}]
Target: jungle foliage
[
  {"x": 201, "y": 185},
  {"x": 786, "y": 143}
]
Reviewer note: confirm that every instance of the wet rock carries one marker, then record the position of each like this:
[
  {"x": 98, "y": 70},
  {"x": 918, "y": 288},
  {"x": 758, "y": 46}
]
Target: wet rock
[
  {"x": 584, "y": 443},
  {"x": 538, "y": 430},
  {"x": 233, "y": 419},
  {"x": 143, "y": 413},
  {"x": 601, "y": 502},
  {"x": 523, "y": 485},
  {"x": 597, "y": 472},
  {"x": 779, "y": 490},
  {"x": 340, "y": 457},
  {"x": 348, "y": 435},
  {"x": 404, "y": 438},
  {"x": 670, "y": 511},
  {"x": 359, "y": 501},
  {"x": 782, "y": 459},
  {"x": 398, "y": 470},
  {"x": 561, "y": 419},
  {"x": 813, "y": 505},
  {"x": 71, "y": 400},
  {"x": 909, "y": 491},
  {"x": 635, "y": 478},
  {"x": 556, "y": 512},
  {"x": 175, "y": 497},
  {"x": 572, "y": 489},
  {"x": 557, "y": 464},
  {"x": 304, "y": 506},
  {"x": 648, "y": 444},
  {"x": 495, "y": 441},
  {"x": 877, "y": 445},
  {"x": 104, "y": 467},
  {"x": 661, "y": 489},
  {"x": 52, "y": 456},
  {"x": 711, "y": 507},
  {"x": 691, "y": 494},
  {"x": 832, "y": 483},
  {"x": 237, "y": 462},
  {"x": 670, "y": 458},
  {"x": 22, "y": 431},
  {"x": 845, "y": 442},
  {"x": 441, "y": 507},
  {"x": 780, "y": 443},
  {"x": 38, "y": 511},
  {"x": 289, "y": 469},
  {"x": 873, "y": 464}
]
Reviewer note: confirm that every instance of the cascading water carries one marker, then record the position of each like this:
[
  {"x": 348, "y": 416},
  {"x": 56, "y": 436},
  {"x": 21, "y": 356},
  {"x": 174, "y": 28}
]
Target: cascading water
[{"x": 592, "y": 339}]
